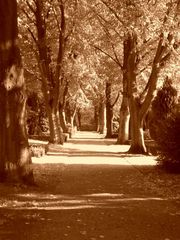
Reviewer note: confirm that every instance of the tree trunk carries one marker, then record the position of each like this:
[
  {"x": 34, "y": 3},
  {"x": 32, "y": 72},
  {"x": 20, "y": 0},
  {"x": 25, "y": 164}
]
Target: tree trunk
[
  {"x": 73, "y": 118},
  {"x": 3, "y": 134},
  {"x": 102, "y": 118},
  {"x": 136, "y": 130},
  {"x": 15, "y": 159},
  {"x": 139, "y": 103},
  {"x": 109, "y": 111},
  {"x": 51, "y": 84},
  {"x": 79, "y": 119},
  {"x": 109, "y": 121},
  {"x": 96, "y": 118},
  {"x": 63, "y": 120},
  {"x": 54, "y": 125},
  {"x": 124, "y": 116}
]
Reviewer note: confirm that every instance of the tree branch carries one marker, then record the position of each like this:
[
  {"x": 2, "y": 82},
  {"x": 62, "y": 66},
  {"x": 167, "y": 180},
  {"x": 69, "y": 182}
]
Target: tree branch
[
  {"x": 32, "y": 35},
  {"x": 27, "y": 15},
  {"x": 114, "y": 12},
  {"x": 30, "y": 7},
  {"x": 73, "y": 22},
  {"x": 107, "y": 54},
  {"x": 56, "y": 18},
  {"x": 112, "y": 105},
  {"x": 61, "y": 43}
]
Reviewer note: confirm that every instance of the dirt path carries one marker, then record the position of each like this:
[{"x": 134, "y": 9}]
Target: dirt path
[{"x": 91, "y": 189}]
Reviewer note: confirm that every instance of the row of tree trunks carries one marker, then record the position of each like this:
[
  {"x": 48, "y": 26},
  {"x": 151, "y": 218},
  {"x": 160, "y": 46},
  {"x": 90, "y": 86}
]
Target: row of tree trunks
[
  {"x": 15, "y": 159},
  {"x": 50, "y": 81}
]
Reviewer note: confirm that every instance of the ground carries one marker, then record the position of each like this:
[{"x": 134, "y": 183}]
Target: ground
[{"x": 90, "y": 189}]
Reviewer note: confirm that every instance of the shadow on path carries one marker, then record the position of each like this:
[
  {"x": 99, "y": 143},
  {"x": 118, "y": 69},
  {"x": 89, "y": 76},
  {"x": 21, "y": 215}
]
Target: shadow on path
[{"x": 92, "y": 192}]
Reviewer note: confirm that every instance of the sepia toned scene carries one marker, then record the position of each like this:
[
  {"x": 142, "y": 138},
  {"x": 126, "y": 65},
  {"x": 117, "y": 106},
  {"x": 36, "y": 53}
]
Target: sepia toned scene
[{"x": 89, "y": 120}]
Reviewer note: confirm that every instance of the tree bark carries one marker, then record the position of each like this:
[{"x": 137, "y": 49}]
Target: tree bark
[
  {"x": 63, "y": 120},
  {"x": 102, "y": 117},
  {"x": 15, "y": 159},
  {"x": 124, "y": 116},
  {"x": 136, "y": 128},
  {"x": 96, "y": 117},
  {"x": 139, "y": 103},
  {"x": 51, "y": 83},
  {"x": 109, "y": 111}
]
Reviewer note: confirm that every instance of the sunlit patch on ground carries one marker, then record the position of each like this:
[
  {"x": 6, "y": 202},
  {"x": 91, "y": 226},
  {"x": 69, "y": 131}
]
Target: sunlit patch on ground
[
  {"x": 93, "y": 149},
  {"x": 89, "y": 160}
]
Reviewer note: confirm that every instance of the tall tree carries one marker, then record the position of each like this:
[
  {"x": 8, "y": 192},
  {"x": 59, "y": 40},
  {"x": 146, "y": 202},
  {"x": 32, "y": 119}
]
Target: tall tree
[
  {"x": 139, "y": 101},
  {"x": 109, "y": 42},
  {"x": 51, "y": 53},
  {"x": 139, "y": 27},
  {"x": 15, "y": 160}
]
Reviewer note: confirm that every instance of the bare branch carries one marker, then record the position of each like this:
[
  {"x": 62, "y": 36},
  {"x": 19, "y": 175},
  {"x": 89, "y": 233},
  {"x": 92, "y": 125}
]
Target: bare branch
[
  {"x": 56, "y": 18},
  {"x": 31, "y": 7},
  {"x": 61, "y": 43},
  {"x": 112, "y": 105},
  {"x": 114, "y": 12},
  {"x": 105, "y": 24},
  {"x": 27, "y": 15},
  {"x": 115, "y": 54},
  {"x": 107, "y": 54},
  {"x": 73, "y": 23},
  {"x": 115, "y": 59},
  {"x": 32, "y": 35}
]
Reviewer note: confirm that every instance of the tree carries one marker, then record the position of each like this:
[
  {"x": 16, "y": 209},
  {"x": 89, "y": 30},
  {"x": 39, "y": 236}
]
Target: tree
[
  {"x": 142, "y": 27},
  {"x": 15, "y": 160},
  {"x": 109, "y": 42},
  {"x": 139, "y": 102},
  {"x": 109, "y": 109},
  {"x": 51, "y": 53}
]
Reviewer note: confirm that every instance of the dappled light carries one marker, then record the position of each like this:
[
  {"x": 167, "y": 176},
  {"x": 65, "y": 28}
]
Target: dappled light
[
  {"x": 82, "y": 149},
  {"x": 69, "y": 202}
]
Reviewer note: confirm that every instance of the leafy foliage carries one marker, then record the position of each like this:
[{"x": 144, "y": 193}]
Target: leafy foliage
[
  {"x": 36, "y": 115},
  {"x": 162, "y": 107},
  {"x": 169, "y": 143},
  {"x": 165, "y": 126}
]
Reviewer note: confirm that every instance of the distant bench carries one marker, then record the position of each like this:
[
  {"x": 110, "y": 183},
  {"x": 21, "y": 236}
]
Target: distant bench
[{"x": 39, "y": 148}]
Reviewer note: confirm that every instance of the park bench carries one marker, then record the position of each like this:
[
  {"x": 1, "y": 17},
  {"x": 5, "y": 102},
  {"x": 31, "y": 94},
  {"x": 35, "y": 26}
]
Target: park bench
[{"x": 38, "y": 148}]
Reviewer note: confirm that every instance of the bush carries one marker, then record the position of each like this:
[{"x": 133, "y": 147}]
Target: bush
[
  {"x": 164, "y": 126},
  {"x": 162, "y": 107},
  {"x": 37, "y": 121},
  {"x": 168, "y": 142}
]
